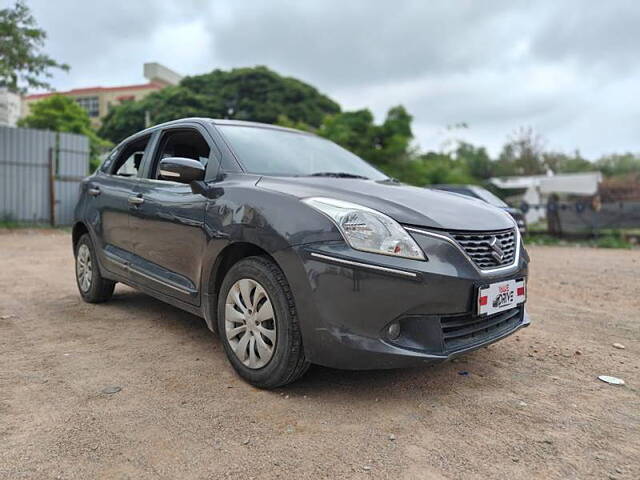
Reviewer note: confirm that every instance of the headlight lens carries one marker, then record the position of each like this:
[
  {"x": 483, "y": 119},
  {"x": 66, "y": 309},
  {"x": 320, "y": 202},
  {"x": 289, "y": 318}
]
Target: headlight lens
[{"x": 367, "y": 229}]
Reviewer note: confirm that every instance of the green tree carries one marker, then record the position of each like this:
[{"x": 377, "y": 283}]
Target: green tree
[
  {"x": 124, "y": 120},
  {"x": 167, "y": 104},
  {"x": 478, "y": 164},
  {"x": 285, "y": 121},
  {"x": 522, "y": 154},
  {"x": 618, "y": 164},
  {"x": 387, "y": 145},
  {"x": 394, "y": 137},
  {"x": 63, "y": 114},
  {"x": 261, "y": 95},
  {"x": 355, "y": 131},
  {"x": 22, "y": 64},
  {"x": 258, "y": 94},
  {"x": 559, "y": 162},
  {"x": 444, "y": 168}
]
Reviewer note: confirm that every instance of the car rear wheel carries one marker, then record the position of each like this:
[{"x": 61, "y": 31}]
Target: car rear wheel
[
  {"x": 92, "y": 286},
  {"x": 258, "y": 324}
]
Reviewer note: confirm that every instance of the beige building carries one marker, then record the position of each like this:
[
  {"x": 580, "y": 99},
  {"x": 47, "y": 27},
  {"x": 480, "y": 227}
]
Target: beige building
[
  {"x": 9, "y": 108},
  {"x": 98, "y": 100}
]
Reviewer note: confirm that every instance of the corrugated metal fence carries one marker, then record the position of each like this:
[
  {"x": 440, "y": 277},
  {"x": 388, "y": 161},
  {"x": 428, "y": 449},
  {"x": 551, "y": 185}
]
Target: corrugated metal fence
[{"x": 39, "y": 174}]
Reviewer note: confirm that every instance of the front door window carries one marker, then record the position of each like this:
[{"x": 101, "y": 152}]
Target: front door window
[{"x": 184, "y": 144}]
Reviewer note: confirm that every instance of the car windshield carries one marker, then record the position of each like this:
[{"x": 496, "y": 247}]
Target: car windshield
[
  {"x": 489, "y": 197},
  {"x": 270, "y": 151}
]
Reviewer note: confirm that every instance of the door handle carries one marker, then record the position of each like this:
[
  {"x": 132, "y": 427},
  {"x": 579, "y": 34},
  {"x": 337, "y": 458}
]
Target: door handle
[
  {"x": 135, "y": 200},
  {"x": 94, "y": 191}
]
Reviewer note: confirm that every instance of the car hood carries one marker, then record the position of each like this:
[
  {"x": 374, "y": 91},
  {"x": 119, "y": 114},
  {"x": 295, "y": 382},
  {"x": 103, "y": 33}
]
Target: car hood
[{"x": 405, "y": 204}]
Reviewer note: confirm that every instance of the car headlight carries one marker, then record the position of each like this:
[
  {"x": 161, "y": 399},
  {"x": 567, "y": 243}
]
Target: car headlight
[{"x": 366, "y": 229}]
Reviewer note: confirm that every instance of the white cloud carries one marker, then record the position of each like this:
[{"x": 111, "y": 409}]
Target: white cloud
[{"x": 566, "y": 68}]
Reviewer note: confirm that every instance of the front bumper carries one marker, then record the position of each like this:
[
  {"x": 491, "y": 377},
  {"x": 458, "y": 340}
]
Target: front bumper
[{"x": 347, "y": 299}]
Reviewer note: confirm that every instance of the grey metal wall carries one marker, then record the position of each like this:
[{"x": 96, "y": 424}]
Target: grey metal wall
[
  {"x": 611, "y": 215},
  {"x": 71, "y": 167},
  {"x": 25, "y": 176}
]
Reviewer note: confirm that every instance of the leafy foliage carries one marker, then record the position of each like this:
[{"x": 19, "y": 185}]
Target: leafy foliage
[
  {"x": 563, "y": 163},
  {"x": 476, "y": 161},
  {"x": 386, "y": 145},
  {"x": 63, "y": 114},
  {"x": 22, "y": 64},
  {"x": 129, "y": 117},
  {"x": 261, "y": 95},
  {"x": 618, "y": 165},
  {"x": 257, "y": 94},
  {"x": 522, "y": 154}
]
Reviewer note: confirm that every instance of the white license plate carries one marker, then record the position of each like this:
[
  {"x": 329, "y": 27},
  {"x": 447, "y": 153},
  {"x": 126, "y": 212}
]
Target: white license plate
[{"x": 501, "y": 296}]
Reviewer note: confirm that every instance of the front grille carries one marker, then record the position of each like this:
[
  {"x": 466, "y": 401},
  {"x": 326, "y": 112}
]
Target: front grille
[
  {"x": 488, "y": 249},
  {"x": 466, "y": 330}
]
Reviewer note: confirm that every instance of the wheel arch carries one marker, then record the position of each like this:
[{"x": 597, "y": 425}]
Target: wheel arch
[
  {"x": 79, "y": 229},
  {"x": 216, "y": 270}
]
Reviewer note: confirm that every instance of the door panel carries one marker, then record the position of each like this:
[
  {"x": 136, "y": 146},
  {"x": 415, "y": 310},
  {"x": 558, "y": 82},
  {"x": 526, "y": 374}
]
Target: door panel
[
  {"x": 169, "y": 238},
  {"x": 110, "y": 193},
  {"x": 168, "y": 222},
  {"x": 109, "y": 203}
]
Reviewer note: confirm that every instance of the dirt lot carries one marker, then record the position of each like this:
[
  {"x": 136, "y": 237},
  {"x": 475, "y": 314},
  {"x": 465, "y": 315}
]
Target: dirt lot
[{"x": 529, "y": 407}]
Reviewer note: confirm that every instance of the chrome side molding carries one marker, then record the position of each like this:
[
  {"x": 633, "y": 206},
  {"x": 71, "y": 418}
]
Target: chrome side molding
[{"x": 158, "y": 280}]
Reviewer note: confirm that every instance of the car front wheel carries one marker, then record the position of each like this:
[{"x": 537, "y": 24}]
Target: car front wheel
[{"x": 258, "y": 324}]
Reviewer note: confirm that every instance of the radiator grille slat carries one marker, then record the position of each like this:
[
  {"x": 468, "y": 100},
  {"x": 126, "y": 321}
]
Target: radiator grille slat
[{"x": 488, "y": 249}]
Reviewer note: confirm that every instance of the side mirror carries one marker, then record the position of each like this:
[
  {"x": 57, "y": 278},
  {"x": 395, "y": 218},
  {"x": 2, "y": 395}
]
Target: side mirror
[{"x": 182, "y": 170}]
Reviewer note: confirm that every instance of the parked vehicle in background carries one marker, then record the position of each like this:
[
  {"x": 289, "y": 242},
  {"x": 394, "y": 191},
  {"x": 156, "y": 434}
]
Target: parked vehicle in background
[
  {"x": 474, "y": 191},
  {"x": 296, "y": 251}
]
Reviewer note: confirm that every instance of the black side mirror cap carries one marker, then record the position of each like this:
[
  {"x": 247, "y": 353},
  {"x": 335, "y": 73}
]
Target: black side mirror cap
[{"x": 182, "y": 170}]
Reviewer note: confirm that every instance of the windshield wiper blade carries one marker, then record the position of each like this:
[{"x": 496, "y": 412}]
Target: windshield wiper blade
[
  {"x": 389, "y": 180},
  {"x": 338, "y": 175}
]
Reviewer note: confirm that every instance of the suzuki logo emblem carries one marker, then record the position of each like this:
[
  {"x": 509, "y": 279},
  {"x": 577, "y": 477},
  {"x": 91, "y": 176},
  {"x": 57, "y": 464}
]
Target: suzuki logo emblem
[{"x": 497, "y": 253}]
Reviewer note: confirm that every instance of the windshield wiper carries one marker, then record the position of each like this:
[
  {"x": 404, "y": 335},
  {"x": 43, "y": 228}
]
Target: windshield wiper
[
  {"x": 337, "y": 175},
  {"x": 389, "y": 180}
]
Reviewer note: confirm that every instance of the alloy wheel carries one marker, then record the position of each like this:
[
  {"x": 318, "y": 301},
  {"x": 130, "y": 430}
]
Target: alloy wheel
[
  {"x": 250, "y": 324},
  {"x": 84, "y": 268}
]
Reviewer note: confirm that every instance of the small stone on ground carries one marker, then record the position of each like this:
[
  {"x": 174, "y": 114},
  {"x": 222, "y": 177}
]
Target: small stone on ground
[{"x": 111, "y": 390}]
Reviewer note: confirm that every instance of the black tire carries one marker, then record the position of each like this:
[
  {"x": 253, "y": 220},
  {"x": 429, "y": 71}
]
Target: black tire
[
  {"x": 100, "y": 289},
  {"x": 287, "y": 362}
]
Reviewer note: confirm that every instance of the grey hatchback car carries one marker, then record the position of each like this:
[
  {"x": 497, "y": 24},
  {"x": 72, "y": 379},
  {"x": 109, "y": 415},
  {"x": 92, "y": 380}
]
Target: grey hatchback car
[{"x": 296, "y": 251}]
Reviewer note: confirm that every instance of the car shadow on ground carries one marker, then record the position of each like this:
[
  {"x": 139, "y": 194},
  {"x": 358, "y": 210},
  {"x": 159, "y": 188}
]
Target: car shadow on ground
[
  {"x": 140, "y": 305},
  {"x": 318, "y": 381}
]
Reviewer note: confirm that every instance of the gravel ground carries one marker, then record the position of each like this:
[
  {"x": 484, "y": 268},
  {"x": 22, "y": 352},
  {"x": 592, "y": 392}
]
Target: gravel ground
[{"x": 530, "y": 407}]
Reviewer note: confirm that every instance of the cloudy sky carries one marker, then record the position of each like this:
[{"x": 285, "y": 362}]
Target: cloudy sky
[{"x": 567, "y": 68}]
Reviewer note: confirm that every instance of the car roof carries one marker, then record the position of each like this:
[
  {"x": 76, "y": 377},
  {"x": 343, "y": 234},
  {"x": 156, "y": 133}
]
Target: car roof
[
  {"x": 214, "y": 121},
  {"x": 244, "y": 123}
]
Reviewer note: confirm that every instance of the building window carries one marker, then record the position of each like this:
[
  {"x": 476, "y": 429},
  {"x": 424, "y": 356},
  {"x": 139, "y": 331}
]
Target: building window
[{"x": 90, "y": 104}]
